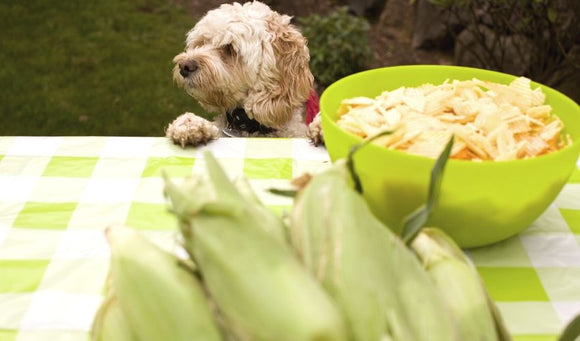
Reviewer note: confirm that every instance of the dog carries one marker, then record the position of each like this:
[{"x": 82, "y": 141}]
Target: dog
[{"x": 248, "y": 65}]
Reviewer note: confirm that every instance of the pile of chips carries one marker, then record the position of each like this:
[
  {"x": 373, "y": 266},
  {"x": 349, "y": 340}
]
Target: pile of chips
[{"x": 490, "y": 121}]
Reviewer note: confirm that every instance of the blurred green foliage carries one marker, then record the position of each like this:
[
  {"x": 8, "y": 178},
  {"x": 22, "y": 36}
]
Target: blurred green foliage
[
  {"x": 338, "y": 44},
  {"x": 90, "y": 67},
  {"x": 541, "y": 34}
]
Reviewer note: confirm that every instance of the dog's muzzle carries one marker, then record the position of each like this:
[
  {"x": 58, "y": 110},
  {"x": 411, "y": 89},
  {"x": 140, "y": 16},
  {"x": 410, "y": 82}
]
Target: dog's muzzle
[{"x": 187, "y": 67}]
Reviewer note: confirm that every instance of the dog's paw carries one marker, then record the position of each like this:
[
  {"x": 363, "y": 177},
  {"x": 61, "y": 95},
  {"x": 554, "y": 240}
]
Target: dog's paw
[
  {"x": 314, "y": 132},
  {"x": 191, "y": 129}
]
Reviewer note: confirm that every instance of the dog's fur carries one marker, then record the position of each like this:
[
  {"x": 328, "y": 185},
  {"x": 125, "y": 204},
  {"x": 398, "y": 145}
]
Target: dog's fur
[{"x": 244, "y": 57}]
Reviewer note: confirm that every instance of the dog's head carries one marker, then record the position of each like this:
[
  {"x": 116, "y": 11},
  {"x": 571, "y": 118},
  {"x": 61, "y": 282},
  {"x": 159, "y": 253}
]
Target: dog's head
[{"x": 246, "y": 56}]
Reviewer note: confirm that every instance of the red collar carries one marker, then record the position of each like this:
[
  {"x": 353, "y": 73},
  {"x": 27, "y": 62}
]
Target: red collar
[{"x": 312, "y": 106}]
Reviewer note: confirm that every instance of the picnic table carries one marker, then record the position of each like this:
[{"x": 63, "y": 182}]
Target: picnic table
[{"x": 58, "y": 194}]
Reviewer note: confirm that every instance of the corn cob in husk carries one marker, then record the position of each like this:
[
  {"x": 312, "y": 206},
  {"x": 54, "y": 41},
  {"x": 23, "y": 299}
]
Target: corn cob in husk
[
  {"x": 110, "y": 323},
  {"x": 196, "y": 192},
  {"x": 159, "y": 298},
  {"x": 376, "y": 280},
  {"x": 460, "y": 286},
  {"x": 270, "y": 222},
  {"x": 261, "y": 290}
]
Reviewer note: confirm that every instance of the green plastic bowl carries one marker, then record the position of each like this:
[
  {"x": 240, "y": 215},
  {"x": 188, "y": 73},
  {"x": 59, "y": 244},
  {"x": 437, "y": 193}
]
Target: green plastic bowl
[{"x": 480, "y": 202}]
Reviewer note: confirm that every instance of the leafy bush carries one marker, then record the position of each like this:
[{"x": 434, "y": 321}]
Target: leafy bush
[
  {"x": 338, "y": 44},
  {"x": 539, "y": 36}
]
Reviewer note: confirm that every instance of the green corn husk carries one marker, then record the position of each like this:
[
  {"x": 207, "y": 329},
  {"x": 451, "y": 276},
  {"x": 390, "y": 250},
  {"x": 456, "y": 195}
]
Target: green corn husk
[
  {"x": 245, "y": 189},
  {"x": 261, "y": 290},
  {"x": 110, "y": 323},
  {"x": 159, "y": 297},
  {"x": 376, "y": 280},
  {"x": 460, "y": 286},
  {"x": 270, "y": 222},
  {"x": 572, "y": 330},
  {"x": 191, "y": 195}
]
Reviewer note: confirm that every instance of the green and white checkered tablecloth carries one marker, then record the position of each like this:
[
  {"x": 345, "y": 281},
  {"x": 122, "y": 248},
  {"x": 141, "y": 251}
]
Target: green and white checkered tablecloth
[{"x": 57, "y": 194}]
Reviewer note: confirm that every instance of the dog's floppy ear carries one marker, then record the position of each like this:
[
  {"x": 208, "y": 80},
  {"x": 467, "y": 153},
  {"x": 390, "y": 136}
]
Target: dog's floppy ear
[{"x": 285, "y": 80}]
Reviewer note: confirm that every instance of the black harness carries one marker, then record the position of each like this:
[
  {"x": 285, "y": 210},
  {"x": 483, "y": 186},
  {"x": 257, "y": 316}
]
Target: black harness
[{"x": 238, "y": 120}]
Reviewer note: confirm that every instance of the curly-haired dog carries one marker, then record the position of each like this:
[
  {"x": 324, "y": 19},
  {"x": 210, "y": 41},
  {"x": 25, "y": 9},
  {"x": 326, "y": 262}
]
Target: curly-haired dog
[{"x": 249, "y": 65}]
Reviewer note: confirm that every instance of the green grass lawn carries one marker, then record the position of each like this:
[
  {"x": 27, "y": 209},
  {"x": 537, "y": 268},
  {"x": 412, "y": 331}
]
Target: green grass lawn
[{"x": 90, "y": 67}]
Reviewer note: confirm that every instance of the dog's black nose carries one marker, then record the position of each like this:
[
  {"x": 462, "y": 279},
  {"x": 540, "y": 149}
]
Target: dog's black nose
[{"x": 187, "y": 67}]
